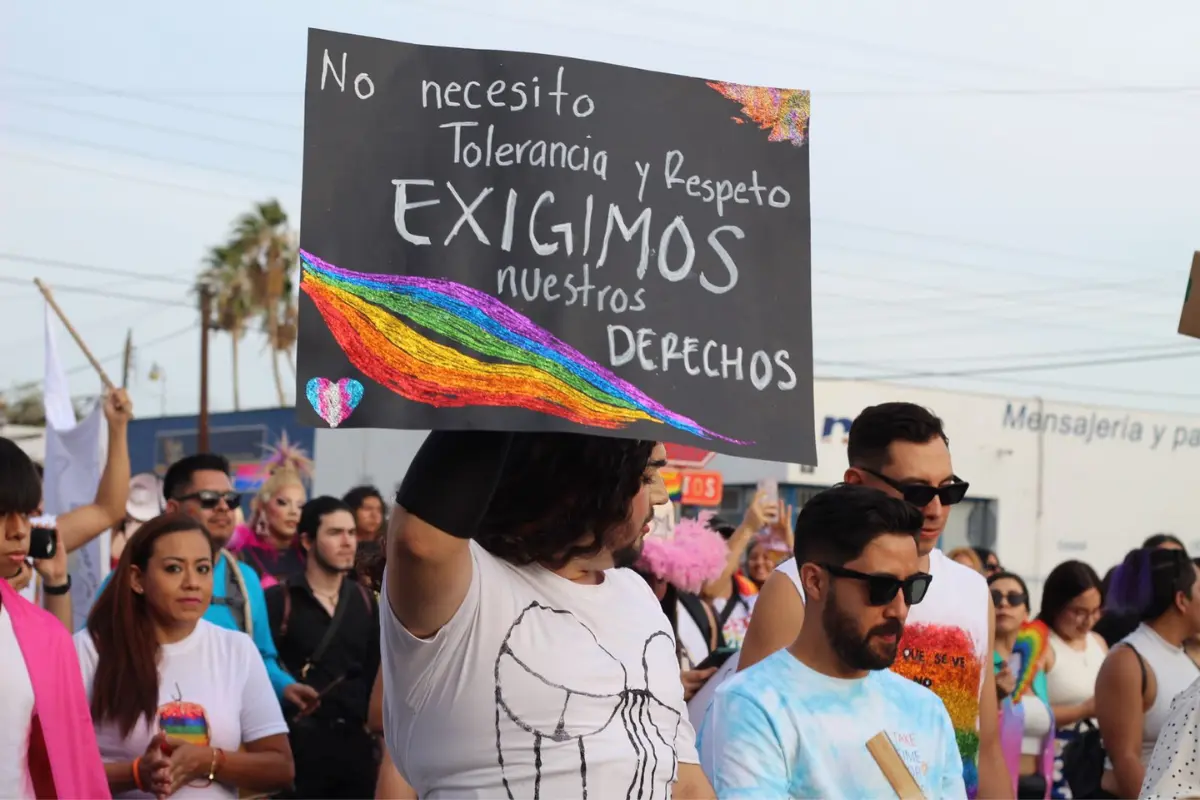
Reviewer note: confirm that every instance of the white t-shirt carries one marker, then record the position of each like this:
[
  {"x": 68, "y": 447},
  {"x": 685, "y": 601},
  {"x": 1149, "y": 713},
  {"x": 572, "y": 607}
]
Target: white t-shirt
[
  {"x": 538, "y": 686},
  {"x": 16, "y": 715},
  {"x": 213, "y": 690}
]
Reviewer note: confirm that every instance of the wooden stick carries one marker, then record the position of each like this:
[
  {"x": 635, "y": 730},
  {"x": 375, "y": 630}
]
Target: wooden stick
[
  {"x": 45, "y": 290},
  {"x": 884, "y": 752}
]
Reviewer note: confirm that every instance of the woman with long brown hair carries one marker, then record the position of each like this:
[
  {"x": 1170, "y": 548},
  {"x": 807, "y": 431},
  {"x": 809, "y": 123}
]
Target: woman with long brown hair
[{"x": 172, "y": 695}]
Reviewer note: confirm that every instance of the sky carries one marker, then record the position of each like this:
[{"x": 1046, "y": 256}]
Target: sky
[{"x": 1003, "y": 197}]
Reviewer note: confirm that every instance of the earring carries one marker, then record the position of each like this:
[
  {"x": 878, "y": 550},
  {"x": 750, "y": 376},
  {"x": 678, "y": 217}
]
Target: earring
[{"x": 260, "y": 527}]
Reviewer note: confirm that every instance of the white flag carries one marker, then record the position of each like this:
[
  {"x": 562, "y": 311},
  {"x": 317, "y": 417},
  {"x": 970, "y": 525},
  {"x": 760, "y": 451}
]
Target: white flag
[{"x": 73, "y": 465}]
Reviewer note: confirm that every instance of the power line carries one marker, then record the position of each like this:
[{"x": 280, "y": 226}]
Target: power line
[
  {"x": 85, "y": 367},
  {"x": 1020, "y": 357},
  {"x": 91, "y": 268},
  {"x": 42, "y": 135},
  {"x": 144, "y": 98},
  {"x": 141, "y": 125},
  {"x": 1190, "y": 352},
  {"x": 98, "y": 292}
]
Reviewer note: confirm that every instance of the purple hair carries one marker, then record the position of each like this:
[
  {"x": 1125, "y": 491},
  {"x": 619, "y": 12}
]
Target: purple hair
[{"x": 1146, "y": 582}]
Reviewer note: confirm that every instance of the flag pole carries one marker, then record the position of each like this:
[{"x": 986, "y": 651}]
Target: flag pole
[{"x": 45, "y": 290}]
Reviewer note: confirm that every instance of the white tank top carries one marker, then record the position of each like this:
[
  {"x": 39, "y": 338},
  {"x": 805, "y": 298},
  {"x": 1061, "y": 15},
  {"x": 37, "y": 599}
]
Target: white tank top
[
  {"x": 1037, "y": 724},
  {"x": 1173, "y": 671},
  {"x": 1073, "y": 678},
  {"x": 792, "y": 570}
]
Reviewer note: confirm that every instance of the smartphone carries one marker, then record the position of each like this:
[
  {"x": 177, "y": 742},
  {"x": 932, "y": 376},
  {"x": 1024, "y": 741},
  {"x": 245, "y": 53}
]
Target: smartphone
[
  {"x": 43, "y": 538},
  {"x": 717, "y": 658},
  {"x": 769, "y": 489}
]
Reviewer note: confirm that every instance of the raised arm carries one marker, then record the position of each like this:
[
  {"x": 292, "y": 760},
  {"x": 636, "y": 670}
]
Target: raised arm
[
  {"x": 80, "y": 526},
  {"x": 440, "y": 504},
  {"x": 775, "y": 622}
]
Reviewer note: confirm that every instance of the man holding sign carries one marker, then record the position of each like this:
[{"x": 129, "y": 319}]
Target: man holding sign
[{"x": 798, "y": 723}]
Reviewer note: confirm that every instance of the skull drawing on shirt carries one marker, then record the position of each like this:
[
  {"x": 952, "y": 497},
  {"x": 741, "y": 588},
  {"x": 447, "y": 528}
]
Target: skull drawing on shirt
[{"x": 560, "y": 695}]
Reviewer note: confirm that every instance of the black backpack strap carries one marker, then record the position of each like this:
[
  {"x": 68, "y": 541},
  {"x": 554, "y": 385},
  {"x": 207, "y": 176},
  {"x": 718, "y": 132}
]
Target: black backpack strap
[
  {"x": 287, "y": 608},
  {"x": 1141, "y": 666},
  {"x": 338, "y": 615},
  {"x": 698, "y": 610}
]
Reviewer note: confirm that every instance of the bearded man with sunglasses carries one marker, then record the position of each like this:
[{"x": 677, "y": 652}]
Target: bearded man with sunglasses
[
  {"x": 199, "y": 486},
  {"x": 902, "y": 449},
  {"x": 797, "y": 723}
]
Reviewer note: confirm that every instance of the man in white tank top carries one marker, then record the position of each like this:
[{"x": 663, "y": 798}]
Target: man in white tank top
[{"x": 902, "y": 449}]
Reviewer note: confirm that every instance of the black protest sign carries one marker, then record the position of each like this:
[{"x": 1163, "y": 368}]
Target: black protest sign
[{"x": 510, "y": 241}]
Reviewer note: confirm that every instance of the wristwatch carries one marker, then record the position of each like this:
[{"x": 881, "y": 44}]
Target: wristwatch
[{"x": 57, "y": 590}]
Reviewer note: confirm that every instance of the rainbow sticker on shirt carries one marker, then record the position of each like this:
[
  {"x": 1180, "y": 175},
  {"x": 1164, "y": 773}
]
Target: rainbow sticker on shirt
[
  {"x": 943, "y": 660},
  {"x": 184, "y": 721}
]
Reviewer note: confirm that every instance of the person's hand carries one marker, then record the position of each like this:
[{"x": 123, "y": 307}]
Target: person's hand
[
  {"x": 188, "y": 762},
  {"x": 781, "y": 528},
  {"x": 118, "y": 408},
  {"x": 154, "y": 770},
  {"x": 21, "y": 578},
  {"x": 1087, "y": 708},
  {"x": 53, "y": 570},
  {"x": 694, "y": 679},
  {"x": 1006, "y": 681},
  {"x": 759, "y": 514},
  {"x": 303, "y": 697}
]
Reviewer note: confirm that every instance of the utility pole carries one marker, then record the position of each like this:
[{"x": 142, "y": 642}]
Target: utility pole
[{"x": 205, "y": 316}]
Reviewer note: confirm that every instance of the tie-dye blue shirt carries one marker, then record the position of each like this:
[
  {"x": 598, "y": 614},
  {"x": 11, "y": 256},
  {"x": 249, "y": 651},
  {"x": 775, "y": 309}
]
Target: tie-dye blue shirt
[{"x": 780, "y": 729}]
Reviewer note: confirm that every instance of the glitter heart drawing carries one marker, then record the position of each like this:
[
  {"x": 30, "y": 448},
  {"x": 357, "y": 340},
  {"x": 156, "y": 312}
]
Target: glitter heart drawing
[{"x": 334, "y": 402}]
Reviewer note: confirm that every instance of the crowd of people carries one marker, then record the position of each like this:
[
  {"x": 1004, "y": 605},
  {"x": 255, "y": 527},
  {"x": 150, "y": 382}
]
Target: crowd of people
[{"x": 530, "y": 620}]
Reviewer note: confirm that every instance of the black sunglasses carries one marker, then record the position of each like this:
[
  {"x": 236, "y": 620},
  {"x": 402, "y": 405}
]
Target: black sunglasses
[
  {"x": 922, "y": 494},
  {"x": 882, "y": 589},
  {"x": 208, "y": 500},
  {"x": 1013, "y": 598}
]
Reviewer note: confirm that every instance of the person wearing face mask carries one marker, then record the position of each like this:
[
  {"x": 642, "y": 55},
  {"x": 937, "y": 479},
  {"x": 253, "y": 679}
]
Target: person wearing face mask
[
  {"x": 199, "y": 486},
  {"x": 902, "y": 449},
  {"x": 174, "y": 697},
  {"x": 797, "y": 723},
  {"x": 268, "y": 541},
  {"x": 47, "y": 746}
]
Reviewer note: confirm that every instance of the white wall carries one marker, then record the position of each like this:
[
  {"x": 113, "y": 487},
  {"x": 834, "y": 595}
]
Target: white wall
[{"x": 1080, "y": 482}]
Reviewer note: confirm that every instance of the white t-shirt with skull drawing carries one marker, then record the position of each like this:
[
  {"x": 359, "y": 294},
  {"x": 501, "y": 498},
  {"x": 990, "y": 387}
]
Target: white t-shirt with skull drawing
[{"x": 538, "y": 686}]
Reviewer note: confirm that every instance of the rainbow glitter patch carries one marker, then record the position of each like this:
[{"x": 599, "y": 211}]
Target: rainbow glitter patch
[
  {"x": 184, "y": 721},
  {"x": 943, "y": 660},
  {"x": 528, "y": 367},
  {"x": 784, "y": 112}
]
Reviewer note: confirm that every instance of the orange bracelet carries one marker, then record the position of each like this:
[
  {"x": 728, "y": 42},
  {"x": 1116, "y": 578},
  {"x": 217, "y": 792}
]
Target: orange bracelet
[{"x": 137, "y": 778}]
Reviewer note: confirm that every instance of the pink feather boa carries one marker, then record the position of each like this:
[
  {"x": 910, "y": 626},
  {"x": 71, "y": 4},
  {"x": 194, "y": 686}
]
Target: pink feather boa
[{"x": 695, "y": 554}]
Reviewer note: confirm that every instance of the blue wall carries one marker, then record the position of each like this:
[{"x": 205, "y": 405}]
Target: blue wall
[{"x": 240, "y": 436}]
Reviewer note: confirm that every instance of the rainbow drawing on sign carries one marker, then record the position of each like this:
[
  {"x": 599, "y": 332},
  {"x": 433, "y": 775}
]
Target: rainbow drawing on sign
[
  {"x": 784, "y": 112},
  {"x": 528, "y": 367},
  {"x": 185, "y": 721}
]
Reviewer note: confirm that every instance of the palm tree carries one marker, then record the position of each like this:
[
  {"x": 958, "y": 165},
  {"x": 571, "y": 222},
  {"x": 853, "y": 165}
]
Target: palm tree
[
  {"x": 266, "y": 247},
  {"x": 226, "y": 279}
]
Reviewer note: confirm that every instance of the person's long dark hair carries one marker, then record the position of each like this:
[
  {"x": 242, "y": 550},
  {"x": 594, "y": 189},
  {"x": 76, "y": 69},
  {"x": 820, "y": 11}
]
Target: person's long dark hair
[{"x": 125, "y": 687}]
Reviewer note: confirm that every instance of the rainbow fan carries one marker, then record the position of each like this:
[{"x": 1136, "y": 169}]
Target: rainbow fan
[{"x": 1029, "y": 647}]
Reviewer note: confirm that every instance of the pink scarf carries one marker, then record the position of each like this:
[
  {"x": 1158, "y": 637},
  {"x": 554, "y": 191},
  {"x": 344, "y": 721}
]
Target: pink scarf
[{"x": 60, "y": 700}]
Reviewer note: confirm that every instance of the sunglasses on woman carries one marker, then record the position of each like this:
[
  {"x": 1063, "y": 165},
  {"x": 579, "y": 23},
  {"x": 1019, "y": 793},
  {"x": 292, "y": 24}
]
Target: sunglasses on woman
[
  {"x": 882, "y": 589},
  {"x": 922, "y": 494},
  {"x": 208, "y": 500},
  {"x": 1014, "y": 598}
]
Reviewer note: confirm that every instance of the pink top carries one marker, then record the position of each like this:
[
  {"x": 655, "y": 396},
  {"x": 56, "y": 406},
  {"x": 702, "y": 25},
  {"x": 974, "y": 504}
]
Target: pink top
[
  {"x": 270, "y": 562},
  {"x": 60, "y": 699}
]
